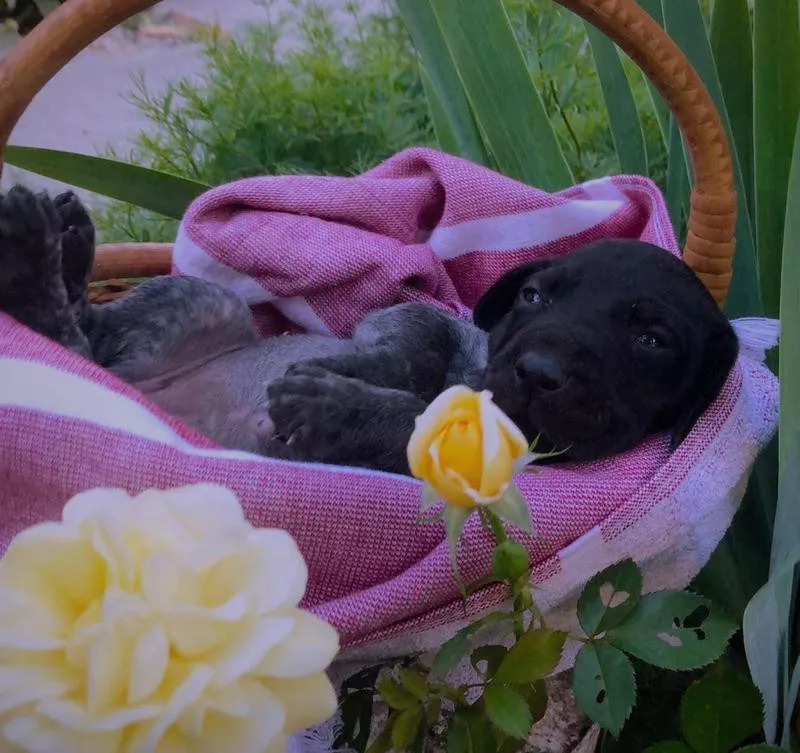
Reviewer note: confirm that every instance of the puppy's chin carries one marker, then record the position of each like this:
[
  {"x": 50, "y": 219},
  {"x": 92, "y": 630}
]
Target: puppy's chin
[{"x": 561, "y": 423}]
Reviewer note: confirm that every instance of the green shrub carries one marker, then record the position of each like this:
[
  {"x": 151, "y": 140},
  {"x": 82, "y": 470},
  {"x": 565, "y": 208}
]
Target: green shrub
[
  {"x": 337, "y": 105},
  {"x": 340, "y": 103}
]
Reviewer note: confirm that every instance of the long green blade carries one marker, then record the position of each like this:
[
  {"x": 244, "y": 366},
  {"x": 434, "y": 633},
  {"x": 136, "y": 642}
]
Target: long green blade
[
  {"x": 653, "y": 8},
  {"x": 732, "y": 45},
  {"x": 452, "y": 116},
  {"x": 160, "y": 192},
  {"x": 507, "y": 107},
  {"x": 776, "y": 57},
  {"x": 626, "y": 128},
  {"x": 787, "y": 516},
  {"x": 676, "y": 194},
  {"x": 685, "y": 23}
]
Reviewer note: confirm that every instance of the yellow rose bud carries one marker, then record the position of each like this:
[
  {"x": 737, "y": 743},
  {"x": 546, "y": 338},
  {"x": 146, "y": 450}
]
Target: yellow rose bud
[{"x": 465, "y": 447}]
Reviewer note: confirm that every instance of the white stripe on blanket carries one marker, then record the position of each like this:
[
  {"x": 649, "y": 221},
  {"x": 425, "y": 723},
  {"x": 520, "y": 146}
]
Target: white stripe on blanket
[
  {"x": 40, "y": 387},
  {"x": 514, "y": 231}
]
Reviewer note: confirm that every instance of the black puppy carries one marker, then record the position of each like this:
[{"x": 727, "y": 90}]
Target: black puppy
[{"x": 592, "y": 351}]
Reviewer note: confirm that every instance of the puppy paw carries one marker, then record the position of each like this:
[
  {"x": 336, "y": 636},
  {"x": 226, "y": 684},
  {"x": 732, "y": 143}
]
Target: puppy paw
[
  {"x": 29, "y": 246},
  {"x": 329, "y": 418},
  {"x": 31, "y": 285},
  {"x": 77, "y": 247}
]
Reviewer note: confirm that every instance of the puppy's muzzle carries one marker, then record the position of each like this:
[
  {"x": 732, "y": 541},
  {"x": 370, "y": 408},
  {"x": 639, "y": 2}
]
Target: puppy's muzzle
[{"x": 539, "y": 372}]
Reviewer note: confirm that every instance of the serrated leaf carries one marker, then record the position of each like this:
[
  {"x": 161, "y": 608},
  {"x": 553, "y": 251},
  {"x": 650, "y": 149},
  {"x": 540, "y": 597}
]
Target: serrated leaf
[
  {"x": 609, "y": 597},
  {"x": 720, "y": 710},
  {"x": 406, "y": 727},
  {"x": 508, "y": 711},
  {"x": 533, "y": 657},
  {"x": 491, "y": 655},
  {"x": 672, "y": 746},
  {"x": 674, "y": 630},
  {"x": 395, "y": 696},
  {"x": 605, "y": 685},
  {"x": 451, "y": 653},
  {"x": 510, "y": 560},
  {"x": 414, "y": 682}
]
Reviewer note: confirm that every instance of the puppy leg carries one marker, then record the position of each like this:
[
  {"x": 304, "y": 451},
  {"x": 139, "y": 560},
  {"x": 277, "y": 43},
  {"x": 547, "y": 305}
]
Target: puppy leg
[
  {"x": 330, "y": 418},
  {"x": 32, "y": 287},
  {"x": 410, "y": 347},
  {"x": 166, "y": 326}
]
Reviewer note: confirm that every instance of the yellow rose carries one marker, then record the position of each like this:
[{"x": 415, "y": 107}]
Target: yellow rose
[
  {"x": 160, "y": 623},
  {"x": 466, "y": 448}
]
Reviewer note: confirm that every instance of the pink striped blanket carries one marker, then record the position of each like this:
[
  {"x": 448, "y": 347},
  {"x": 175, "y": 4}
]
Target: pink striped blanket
[{"x": 317, "y": 253}]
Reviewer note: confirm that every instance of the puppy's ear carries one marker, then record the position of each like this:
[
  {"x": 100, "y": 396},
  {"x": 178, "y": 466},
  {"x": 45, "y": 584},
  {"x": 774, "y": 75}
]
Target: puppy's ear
[
  {"x": 717, "y": 362},
  {"x": 496, "y": 302}
]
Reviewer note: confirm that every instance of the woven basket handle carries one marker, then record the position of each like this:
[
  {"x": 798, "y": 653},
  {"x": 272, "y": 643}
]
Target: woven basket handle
[{"x": 709, "y": 244}]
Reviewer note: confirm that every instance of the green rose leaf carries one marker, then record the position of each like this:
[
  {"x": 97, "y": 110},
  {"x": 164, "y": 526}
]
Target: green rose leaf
[
  {"x": 510, "y": 560},
  {"x": 534, "y": 656},
  {"x": 415, "y": 683},
  {"x": 508, "y": 711},
  {"x": 451, "y": 653},
  {"x": 470, "y": 732},
  {"x": 395, "y": 696},
  {"x": 673, "y": 746},
  {"x": 459, "y": 736},
  {"x": 434, "y": 710},
  {"x": 537, "y": 700},
  {"x": 609, "y": 597},
  {"x": 383, "y": 742},
  {"x": 605, "y": 685},
  {"x": 406, "y": 728},
  {"x": 674, "y": 630},
  {"x": 720, "y": 710},
  {"x": 491, "y": 655}
]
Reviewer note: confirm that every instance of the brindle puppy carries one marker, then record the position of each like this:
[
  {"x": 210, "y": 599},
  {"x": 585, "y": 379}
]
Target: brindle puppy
[{"x": 592, "y": 351}]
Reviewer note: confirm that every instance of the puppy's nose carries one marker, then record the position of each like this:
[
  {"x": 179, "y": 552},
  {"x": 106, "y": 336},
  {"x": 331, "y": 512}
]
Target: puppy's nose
[{"x": 540, "y": 371}]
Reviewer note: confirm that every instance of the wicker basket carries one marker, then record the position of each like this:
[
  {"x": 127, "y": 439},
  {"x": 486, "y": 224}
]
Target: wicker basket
[{"x": 709, "y": 245}]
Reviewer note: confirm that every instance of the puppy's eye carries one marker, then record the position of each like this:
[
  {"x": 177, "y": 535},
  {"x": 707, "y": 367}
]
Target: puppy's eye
[
  {"x": 532, "y": 295},
  {"x": 649, "y": 340}
]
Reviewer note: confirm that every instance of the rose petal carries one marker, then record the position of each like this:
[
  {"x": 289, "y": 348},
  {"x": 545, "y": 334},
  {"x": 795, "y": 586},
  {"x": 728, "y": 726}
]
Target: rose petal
[
  {"x": 36, "y": 734},
  {"x": 54, "y": 565},
  {"x": 94, "y": 504},
  {"x": 310, "y": 647},
  {"x": 428, "y": 425},
  {"x": 273, "y": 574},
  {"x": 306, "y": 700},
  {"x": 148, "y": 664},
  {"x": 221, "y": 511},
  {"x": 248, "y": 647},
  {"x": 249, "y": 734},
  {"x": 107, "y": 670}
]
